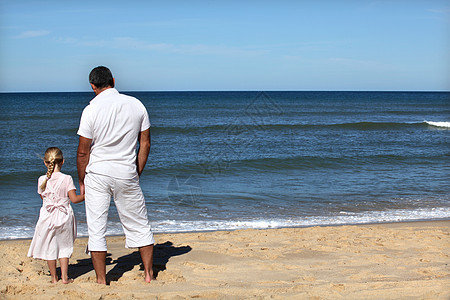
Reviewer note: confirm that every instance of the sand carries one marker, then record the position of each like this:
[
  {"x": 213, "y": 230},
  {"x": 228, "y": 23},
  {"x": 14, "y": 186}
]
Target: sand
[{"x": 380, "y": 261}]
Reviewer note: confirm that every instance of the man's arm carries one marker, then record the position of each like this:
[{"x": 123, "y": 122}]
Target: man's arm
[
  {"x": 83, "y": 153},
  {"x": 144, "y": 150}
]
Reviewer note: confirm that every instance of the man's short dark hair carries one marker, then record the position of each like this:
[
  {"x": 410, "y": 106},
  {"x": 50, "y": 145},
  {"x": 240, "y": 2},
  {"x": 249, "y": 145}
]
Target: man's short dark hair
[{"x": 101, "y": 77}]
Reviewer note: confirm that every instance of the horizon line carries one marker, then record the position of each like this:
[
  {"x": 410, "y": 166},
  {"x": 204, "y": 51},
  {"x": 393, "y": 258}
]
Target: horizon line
[{"x": 231, "y": 91}]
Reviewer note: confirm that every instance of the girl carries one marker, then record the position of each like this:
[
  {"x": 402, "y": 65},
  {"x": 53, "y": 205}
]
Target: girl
[{"x": 56, "y": 228}]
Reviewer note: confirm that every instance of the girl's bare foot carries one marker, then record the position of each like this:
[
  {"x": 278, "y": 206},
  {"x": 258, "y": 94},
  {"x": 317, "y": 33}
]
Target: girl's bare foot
[
  {"x": 54, "y": 280},
  {"x": 68, "y": 280}
]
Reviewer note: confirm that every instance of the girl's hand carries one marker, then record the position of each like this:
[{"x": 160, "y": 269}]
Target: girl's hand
[{"x": 74, "y": 197}]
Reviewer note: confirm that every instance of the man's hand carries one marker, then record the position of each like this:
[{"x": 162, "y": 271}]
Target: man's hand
[
  {"x": 144, "y": 150},
  {"x": 83, "y": 153},
  {"x": 82, "y": 188}
]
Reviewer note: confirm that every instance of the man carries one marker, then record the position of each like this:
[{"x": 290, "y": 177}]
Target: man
[{"x": 111, "y": 127}]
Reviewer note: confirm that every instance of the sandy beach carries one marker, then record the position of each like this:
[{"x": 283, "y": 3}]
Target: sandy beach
[{"x": 380, "y": 261}]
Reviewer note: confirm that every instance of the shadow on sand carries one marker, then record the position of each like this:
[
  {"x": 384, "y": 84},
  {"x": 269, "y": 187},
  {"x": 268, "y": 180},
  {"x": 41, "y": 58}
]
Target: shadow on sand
[{"x": 162, "y": 253}]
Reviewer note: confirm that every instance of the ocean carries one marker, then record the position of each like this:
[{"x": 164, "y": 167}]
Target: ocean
[{"x": 233, "y": 160}]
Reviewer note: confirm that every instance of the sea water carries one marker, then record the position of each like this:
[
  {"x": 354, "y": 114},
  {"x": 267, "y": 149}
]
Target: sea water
[{"x": 231, "y": 160}]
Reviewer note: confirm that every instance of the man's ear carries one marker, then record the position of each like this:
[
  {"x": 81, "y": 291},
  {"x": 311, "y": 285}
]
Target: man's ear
[{"x": 93, "y": 87}]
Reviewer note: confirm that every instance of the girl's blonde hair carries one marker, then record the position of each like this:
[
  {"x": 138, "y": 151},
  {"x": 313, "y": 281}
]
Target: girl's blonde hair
[{"x": 53, "y": 156}]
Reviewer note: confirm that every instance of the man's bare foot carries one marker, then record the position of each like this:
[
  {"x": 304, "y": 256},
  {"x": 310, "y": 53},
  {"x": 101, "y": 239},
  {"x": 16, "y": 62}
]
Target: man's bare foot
[
  {"x": 54, "y": 280},
  {"x": 149, "y": 278}
]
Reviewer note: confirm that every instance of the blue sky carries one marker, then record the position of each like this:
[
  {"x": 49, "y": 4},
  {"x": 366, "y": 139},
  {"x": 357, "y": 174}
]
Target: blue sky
[{"x": 226, "y": 45}]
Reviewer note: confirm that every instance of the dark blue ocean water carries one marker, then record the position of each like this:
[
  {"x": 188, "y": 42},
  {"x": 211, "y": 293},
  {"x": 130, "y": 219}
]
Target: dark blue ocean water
[{"x": 228, "y": 160}]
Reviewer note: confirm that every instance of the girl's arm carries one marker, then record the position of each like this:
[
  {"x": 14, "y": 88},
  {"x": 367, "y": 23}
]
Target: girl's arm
[{"x": 74, "y": 197}]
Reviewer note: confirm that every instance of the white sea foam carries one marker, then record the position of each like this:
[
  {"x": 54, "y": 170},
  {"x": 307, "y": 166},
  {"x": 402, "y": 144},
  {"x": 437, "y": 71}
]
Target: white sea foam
[
  {"x": 346, "y": 218},
  {"x": 10, "y": 232},
  {"x": 388, "y": 216},
  {"x": 438, "y": 124}
]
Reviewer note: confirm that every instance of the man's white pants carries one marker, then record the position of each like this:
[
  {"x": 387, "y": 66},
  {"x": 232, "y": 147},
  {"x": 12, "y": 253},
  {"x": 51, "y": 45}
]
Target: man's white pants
[{"x": 130, "y": 204}]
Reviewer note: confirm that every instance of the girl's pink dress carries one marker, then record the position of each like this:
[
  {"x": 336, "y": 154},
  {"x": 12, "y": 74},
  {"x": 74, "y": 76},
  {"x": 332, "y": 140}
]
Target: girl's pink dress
[{"x": 56, "y": 228}]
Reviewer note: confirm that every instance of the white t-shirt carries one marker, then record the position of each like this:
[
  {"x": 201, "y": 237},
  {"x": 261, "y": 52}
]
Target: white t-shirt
[{"x": 113, "y": 122}]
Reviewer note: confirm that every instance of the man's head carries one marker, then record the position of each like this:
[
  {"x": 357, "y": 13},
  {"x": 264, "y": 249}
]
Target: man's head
[{"x": 101, "y": 77}]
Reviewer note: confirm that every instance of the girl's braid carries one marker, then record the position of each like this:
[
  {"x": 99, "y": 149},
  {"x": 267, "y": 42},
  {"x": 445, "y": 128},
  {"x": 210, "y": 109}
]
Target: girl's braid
[
  {"x": 51, "y": 168},
  {"x": 53, "y": 156}
]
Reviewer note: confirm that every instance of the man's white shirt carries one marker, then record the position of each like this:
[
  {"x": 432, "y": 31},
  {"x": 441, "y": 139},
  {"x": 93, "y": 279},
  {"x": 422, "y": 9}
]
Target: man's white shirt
[{"x": 113, "y": 121}]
